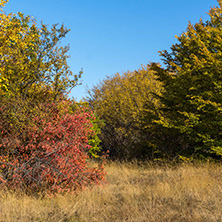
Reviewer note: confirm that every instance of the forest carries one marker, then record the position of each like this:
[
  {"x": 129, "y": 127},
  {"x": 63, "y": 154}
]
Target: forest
[{"x": 144, "y": 133}]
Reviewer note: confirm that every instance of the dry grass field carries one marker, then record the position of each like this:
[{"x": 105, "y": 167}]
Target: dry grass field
[{"x": 133, "y": 193}]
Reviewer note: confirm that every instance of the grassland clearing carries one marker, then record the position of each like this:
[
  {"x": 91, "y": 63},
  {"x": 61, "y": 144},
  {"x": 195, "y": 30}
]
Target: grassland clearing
[{"x": 135, "y": 193}]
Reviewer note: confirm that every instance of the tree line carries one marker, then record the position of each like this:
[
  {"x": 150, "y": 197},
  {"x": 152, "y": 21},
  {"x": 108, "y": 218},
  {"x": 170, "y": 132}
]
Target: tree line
[{"x": 173, "y": 111}]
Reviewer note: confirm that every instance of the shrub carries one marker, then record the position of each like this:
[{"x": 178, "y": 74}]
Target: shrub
[
  {"x": 50, "y": 154},
  {"x": 97, "y": 124}
]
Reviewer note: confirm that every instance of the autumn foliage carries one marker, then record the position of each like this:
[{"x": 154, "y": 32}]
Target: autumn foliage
[
  {"x": 32, "y": 60},
  {"x": 190, "y": 120},
  {"x": 120, "y": 101},
  {"x": 44, "y": 142},
  {"x": 51, "y": 154},
  {"x": 156, "y": 112}
]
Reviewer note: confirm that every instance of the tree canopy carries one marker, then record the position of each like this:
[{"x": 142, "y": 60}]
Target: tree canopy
[
  {"x": 119, "y": 101},
  {"x": 31, "y": 58},
  {"x": 192, "y": 96}
]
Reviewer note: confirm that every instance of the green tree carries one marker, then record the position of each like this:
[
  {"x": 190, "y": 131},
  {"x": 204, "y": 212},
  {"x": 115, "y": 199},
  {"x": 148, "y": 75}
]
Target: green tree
[
  {"x": 190, "y": 119},
  {"x": 119, "y": 101}
]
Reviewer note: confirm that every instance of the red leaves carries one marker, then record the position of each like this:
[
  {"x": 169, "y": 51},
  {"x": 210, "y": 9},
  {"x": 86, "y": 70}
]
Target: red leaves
[{"x": 51, "y": 154}]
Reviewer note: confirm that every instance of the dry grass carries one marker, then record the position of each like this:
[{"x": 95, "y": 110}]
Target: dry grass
[{"x": 133, "y": 193}]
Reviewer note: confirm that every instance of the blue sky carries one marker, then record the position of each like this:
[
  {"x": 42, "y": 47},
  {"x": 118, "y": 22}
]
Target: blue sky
[{"x": 107, "y": 36}]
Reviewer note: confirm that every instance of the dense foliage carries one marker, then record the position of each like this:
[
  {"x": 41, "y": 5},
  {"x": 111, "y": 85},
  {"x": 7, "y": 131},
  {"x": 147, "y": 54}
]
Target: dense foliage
[
  {"x": 94, "y": 140},
  {"x": 169, "y": 111},
  {"x": 191, "y": 117},
  {"x": 44, "y": 141},
  {"x": 31, "y": 60},
  {"x": 119, "y": 101},
  {"x": 51, "y": 154}
]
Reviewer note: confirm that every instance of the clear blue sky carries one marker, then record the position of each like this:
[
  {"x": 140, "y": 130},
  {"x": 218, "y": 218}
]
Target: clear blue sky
[{"x": 114, "y": 36}]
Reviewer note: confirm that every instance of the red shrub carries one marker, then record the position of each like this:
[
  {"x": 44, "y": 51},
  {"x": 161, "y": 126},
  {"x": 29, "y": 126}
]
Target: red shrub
[{"x": 51, "y": 154}]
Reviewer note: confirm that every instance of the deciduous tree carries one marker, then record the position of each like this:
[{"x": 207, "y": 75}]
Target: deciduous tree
[
  {"x": 31, "y": 58},
  {"x": 192, "y": 100},
  {"x": 119, "y": 101}
]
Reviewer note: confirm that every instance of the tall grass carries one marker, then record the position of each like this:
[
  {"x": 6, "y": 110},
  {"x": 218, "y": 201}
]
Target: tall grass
[{"x": 133, "y": 193}]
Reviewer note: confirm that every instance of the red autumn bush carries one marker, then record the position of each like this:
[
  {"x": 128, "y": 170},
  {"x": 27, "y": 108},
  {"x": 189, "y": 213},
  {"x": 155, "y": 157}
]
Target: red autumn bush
[{"x": 50, "y": 153}]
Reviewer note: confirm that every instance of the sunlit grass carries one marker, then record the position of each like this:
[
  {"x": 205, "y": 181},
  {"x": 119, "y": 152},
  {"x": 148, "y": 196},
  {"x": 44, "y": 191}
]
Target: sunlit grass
[{"x": 132, "y": 193}]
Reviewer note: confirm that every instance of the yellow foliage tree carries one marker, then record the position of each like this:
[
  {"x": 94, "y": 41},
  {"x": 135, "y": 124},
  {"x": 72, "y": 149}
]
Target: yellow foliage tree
[
  {"x": 119, "y": 101},
  {"x": 33, "y": 67},
  {"x": 31, "y": 62}
]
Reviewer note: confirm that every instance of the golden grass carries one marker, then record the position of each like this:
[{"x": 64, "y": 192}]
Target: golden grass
[{"x": 133, "y": 193}]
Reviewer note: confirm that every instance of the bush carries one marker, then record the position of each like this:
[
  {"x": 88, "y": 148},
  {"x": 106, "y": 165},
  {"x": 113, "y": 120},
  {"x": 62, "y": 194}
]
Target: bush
[
  {"x": 97, "y": 124},
  {"x": 50, "y": 153}
]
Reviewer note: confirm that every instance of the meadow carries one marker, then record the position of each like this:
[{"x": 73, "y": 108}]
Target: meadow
[{"x": 133, "y": 192}]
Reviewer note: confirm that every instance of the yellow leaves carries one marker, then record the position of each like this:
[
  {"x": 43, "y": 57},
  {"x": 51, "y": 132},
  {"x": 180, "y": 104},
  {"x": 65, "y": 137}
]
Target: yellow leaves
[
  {"x": 217, "y": 150},
  {"x": 122, "y": 102},
  {"x": 185, "y": 159},
  {"x": 18, "y": 51},
  {"x": 220, "y": 2},
  {"x": 2, "y": 4},
  {"x": 3, "y": 84},
  {"x": 120, "y": 99}
]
